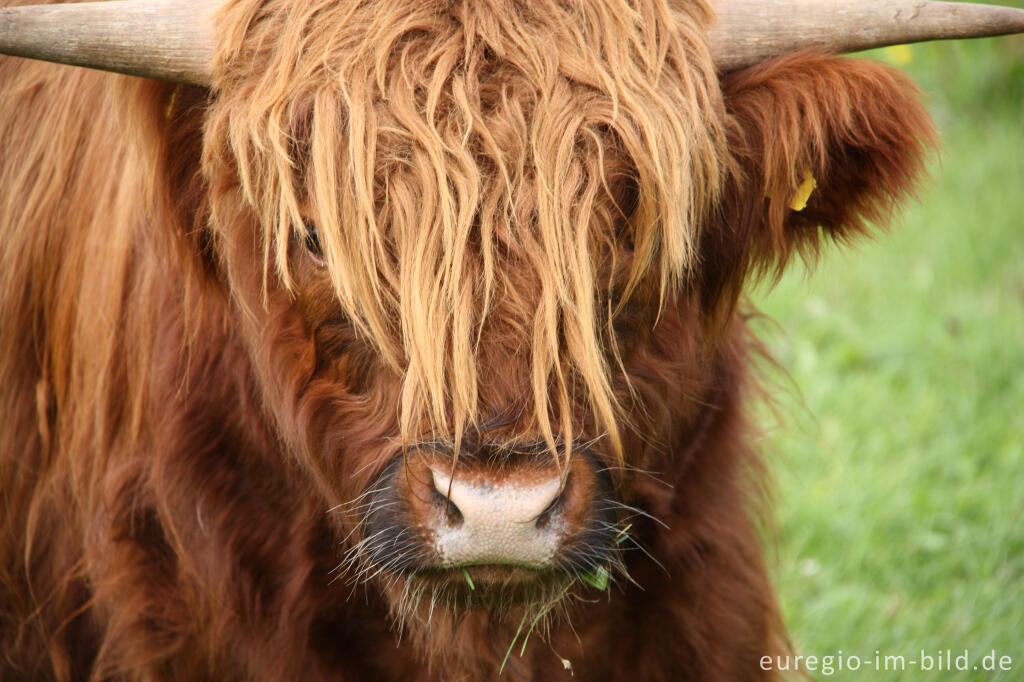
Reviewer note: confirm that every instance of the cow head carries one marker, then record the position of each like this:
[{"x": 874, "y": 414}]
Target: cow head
[{"x": 457, "y": 238}]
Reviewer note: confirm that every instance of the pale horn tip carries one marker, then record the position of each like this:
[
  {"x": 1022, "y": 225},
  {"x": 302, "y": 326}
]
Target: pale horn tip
[{"x": 751, "y": 31}]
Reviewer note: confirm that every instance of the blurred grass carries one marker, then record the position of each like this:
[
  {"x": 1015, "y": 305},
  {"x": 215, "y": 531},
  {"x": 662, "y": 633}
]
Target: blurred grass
[{"x": 899, "y": 462}]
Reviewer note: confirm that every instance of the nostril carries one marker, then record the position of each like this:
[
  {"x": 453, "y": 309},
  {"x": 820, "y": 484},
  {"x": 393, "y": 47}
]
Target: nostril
[
  {"x": 545, "y": 516},
  {"x": 451, "y": 512}
]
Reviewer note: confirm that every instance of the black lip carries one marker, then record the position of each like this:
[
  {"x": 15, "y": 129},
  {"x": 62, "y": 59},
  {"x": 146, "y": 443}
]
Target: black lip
[
  {"x": 385, "y": 526},
  {"x": 594, "y": 545}
]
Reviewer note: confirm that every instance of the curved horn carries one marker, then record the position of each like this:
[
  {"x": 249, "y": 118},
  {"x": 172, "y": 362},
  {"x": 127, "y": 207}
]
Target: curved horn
[
  {"x": 751, "y": 31},
  {"x": 168, "y": 40},
  {"x": 173, "y": 40}
]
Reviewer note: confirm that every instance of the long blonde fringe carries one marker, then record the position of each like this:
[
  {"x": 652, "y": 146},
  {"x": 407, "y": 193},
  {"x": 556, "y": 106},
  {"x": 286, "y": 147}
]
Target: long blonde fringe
[{"x": 441, "y": 146}]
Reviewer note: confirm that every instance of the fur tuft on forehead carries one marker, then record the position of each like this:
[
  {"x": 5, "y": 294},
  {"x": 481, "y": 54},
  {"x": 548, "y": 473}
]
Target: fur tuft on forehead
[{"x": 467, "y": 159}]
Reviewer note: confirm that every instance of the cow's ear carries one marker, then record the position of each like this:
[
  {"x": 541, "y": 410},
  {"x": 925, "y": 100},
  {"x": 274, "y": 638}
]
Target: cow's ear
[{"x": 822, "y": 147}]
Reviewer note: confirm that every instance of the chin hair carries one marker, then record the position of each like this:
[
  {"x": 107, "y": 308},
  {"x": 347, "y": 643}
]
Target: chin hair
[{"x": 441, "y": 617}]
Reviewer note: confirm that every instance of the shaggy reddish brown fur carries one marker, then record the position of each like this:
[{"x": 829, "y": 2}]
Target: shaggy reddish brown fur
[{"x": 186, "y": 392}]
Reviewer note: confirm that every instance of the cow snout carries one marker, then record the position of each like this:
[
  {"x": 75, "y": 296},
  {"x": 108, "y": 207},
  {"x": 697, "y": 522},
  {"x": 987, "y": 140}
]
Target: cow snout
[
  {"x": 499, "y": 520},
  {"x": 489, "y": 517}
]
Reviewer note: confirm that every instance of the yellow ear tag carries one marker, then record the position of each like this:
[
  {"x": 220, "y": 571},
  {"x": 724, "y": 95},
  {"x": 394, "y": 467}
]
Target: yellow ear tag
[{"x": 804, "y": 192}]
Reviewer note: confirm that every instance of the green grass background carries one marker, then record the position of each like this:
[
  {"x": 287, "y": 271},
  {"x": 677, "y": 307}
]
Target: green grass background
[{"x": 899, "y": 459}]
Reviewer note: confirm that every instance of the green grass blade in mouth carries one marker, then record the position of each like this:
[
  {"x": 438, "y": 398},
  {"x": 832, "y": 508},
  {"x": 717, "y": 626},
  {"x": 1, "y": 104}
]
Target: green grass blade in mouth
[
  {"x": 515, "y": 639},
  {"x": 598, "y": 578},
  {"x": 621, "y": 536}
]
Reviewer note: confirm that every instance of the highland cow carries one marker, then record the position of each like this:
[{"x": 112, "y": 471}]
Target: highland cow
[{"x": 404, "y": 340}]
